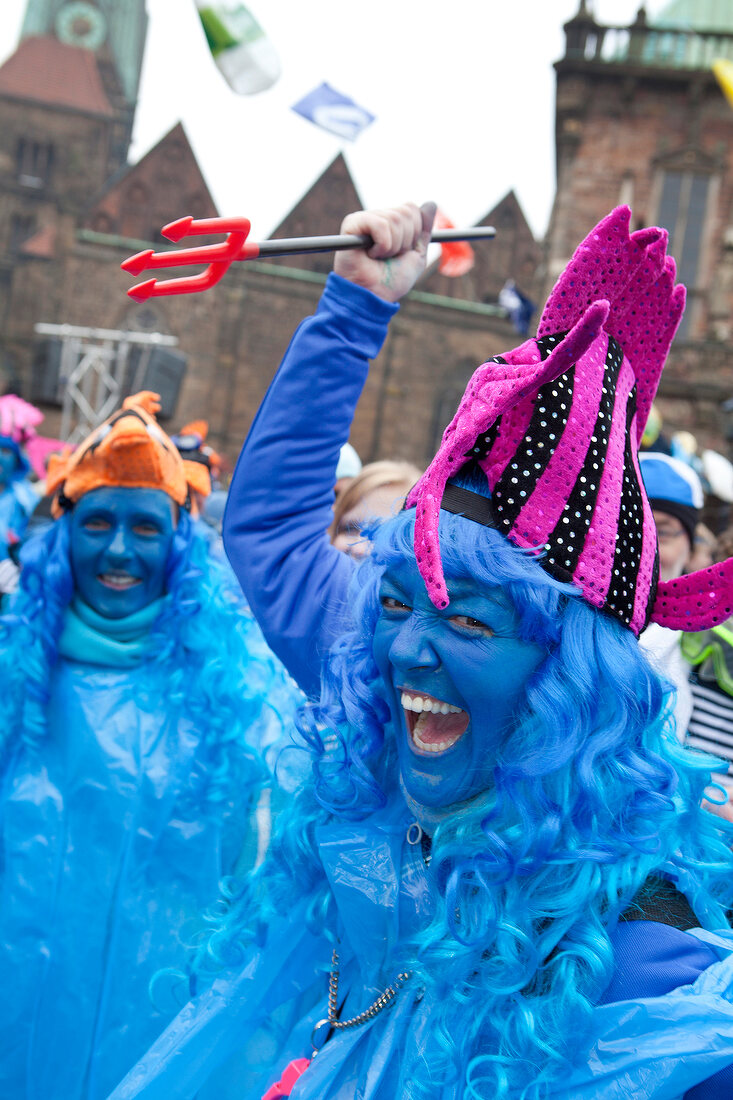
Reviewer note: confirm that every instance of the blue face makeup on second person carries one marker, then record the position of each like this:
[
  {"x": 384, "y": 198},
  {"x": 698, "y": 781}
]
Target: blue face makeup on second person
[
  {"x": 453, "y": 678},
  {"x": 120, "y": 543},
  {"x": 8, "y": 463}
]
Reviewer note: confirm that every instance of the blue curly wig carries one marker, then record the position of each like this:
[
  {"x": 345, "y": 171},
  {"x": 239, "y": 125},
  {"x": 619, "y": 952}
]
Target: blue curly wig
[
  {"x": 198, "y": 659},
  {"x": 592, "y": 794}
]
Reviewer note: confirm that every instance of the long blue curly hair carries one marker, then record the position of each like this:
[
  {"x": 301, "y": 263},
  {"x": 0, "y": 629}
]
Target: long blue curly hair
[
  {"x": 592, "y": 794},
  {"x": 197, "y": 660},
  {"x": 22, "y": 465}
]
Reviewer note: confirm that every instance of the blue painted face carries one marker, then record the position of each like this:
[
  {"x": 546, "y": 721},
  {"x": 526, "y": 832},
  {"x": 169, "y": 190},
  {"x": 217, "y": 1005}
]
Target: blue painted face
[
  {"x": 454, "y": 679},
  {"x": 8, "y": 463},
  {"x": 120, "y": 542}
]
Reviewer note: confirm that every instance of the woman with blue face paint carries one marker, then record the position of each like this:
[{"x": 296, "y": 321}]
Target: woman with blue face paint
[
  {"x": 18, "y": 498},
  {"x": 500, "y": 882},
  {"x": 135, "y": 699}
]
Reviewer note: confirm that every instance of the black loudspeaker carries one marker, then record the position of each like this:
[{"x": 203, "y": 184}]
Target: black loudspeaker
[
  {"x": 45, "y": 372},
  {"x": 161, "y": 370}
]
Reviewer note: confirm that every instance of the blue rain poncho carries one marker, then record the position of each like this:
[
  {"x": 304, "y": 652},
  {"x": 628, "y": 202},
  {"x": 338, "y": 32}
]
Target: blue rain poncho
[
  {"x": 132, "y": 781},
  {"x": 17, "y": 502},
  {"x": 232, "y": 1041}
]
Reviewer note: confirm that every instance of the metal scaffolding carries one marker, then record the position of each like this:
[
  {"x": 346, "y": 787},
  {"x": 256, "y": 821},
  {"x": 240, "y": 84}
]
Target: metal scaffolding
[{"x": 95, "y": 372}]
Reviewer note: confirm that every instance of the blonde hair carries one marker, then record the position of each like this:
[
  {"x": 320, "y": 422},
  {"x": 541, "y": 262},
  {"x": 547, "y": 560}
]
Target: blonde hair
[{"x": 375, "y": 475}]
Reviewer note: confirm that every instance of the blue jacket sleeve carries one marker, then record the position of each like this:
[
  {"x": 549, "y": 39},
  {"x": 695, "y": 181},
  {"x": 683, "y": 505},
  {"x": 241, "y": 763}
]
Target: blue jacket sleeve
[
  {"x": 653, "y": 959},
  {"x": 281, "y": 497}
]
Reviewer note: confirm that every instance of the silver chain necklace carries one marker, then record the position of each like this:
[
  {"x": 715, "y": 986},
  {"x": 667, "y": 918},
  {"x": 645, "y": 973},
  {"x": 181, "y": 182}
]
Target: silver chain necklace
[
  {"x": 385, "y": 998},
  {"x": 415, "y": 836}
]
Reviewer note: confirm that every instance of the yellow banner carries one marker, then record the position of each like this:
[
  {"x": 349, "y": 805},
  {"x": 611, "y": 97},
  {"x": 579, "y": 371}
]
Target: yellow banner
[{"x": 723, "y": 70}]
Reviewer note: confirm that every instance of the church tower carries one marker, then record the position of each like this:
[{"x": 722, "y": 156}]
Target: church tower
[
  {"x": 114, "y": 32},
  {"x": 640, "y": 119},
  {"x": 67, "y": 104}
]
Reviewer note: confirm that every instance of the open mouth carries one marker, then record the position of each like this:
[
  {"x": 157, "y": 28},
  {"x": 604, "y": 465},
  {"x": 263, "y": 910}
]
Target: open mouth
[
  {"x": 433, "y": 726},
  {"x": 118, "y": 581}
]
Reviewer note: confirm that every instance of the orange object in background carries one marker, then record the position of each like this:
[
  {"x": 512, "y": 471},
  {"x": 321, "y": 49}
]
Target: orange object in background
[{"x": 456, "y": 257}]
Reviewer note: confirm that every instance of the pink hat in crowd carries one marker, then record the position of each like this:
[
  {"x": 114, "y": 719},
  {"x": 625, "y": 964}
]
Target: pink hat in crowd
[
  {"x": 18, "y": 423},
  {"x": 553, "y": 428}
]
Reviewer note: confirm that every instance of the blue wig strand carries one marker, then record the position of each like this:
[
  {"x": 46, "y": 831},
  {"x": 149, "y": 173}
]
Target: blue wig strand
[
  {"x": 32, "y": 626},
  {"x": 592, "y": 794}
]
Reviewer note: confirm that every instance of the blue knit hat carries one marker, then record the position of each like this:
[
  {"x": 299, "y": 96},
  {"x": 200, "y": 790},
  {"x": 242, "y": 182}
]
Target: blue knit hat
[{"x": 672, "y": 486}]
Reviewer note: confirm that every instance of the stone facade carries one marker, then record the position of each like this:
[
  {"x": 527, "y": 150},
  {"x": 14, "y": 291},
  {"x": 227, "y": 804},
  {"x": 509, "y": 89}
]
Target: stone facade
[
  {"x": 640, "y": 119},
  {"x": 64, "y": 268}
]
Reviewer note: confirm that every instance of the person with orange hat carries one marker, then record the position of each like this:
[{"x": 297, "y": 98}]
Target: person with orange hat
[{"x": 132, "y": 719}]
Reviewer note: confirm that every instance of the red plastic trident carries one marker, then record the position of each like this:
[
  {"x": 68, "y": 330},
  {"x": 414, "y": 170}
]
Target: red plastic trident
[{"x": 218, "y": 257}]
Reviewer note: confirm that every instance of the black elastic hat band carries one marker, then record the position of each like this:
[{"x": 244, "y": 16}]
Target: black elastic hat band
[{"x": 464, "y": 502}]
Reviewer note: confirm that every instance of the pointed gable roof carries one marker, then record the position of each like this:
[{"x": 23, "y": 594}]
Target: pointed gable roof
[
  {"x": 44, "y": 70},
  {"x": 165, "y": 184},
  {"x": 512, "y": 254},
  {"x": 321, "y": 211}
]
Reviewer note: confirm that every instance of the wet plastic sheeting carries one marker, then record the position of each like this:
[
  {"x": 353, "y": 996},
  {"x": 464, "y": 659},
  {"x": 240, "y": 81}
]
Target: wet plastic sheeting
[
  {"x": 219, "y": 1046},
  {"x": 104, "y": 874}
]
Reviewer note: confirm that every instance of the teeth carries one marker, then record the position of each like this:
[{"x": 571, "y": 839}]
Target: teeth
[
  {"x": 422, "y": 705},
  {"x": 118, "y": 580},
  {"x": 418, "y": 704}
]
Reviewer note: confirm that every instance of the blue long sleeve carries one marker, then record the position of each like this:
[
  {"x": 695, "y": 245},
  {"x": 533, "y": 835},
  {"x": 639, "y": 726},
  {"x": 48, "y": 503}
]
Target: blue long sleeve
[
  {"x": 653, "y": 959},
  {"x": 281, "y": 497}
]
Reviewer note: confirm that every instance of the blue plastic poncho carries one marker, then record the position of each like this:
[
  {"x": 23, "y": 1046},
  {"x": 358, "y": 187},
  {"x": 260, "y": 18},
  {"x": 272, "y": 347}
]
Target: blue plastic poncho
[
  {"x": 17, "y": 502},
  {"x": 231, "y": 1042},
  {"x": 118, "y": 819}
]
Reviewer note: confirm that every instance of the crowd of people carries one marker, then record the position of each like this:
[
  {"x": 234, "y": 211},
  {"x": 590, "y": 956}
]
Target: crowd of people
[{"x": 376, "y": 782}]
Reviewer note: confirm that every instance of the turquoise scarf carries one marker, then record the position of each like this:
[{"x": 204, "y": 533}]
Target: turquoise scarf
[{"x": 111, "y": 643}]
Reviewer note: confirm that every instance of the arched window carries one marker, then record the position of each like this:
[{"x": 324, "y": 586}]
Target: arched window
[
  {"x": 682, "y": 210},
  {"x": 684, "y": 187}
]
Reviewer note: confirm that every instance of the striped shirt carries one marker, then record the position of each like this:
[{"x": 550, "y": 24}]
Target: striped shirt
[{"x": 711, "y": 725}]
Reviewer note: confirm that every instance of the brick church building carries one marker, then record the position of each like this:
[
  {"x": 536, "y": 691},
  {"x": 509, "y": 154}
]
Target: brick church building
[{"x": 639, "y": 118}]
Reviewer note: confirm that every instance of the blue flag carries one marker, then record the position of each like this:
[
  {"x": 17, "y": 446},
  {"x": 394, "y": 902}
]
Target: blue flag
[{"x": 332, "y": 111}]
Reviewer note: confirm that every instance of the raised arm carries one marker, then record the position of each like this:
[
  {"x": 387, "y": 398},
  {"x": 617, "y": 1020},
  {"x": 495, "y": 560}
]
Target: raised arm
[{"x": 281, "y": 496}]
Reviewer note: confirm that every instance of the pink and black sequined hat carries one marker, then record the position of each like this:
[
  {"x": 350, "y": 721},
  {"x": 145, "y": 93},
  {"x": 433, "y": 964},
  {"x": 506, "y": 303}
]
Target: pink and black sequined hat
[{"x": 555, "y": 427}]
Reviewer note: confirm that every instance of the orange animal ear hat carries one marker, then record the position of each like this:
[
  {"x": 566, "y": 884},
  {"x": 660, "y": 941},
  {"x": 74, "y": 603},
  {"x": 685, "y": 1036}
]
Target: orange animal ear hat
[{"x": 130, "y": 450}]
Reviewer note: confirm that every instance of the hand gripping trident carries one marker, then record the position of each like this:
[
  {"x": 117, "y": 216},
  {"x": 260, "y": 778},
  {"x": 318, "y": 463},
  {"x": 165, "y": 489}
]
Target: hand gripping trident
[{"x": 218, "y": 257}]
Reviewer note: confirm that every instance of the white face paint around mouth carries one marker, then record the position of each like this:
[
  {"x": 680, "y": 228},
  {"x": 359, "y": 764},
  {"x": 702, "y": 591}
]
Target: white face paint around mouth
[
  {"x": 433, "y": 725},
  {"x": 118, "y": 580}
]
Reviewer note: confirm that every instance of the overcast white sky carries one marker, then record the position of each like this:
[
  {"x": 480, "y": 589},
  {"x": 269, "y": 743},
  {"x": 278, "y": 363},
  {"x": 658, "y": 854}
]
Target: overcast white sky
[{"x": 463, "y": 91}]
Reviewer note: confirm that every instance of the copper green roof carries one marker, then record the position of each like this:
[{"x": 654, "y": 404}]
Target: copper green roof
[
  {"x": 684, "y": 34},
  {"x": 704, "y": 15},
  {"x": 126, "y": 24}
]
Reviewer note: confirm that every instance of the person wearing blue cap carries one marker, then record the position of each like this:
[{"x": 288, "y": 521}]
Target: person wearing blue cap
[
  {"x": 697, "y": 663},
  {"x": 676, "y": 497}
]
